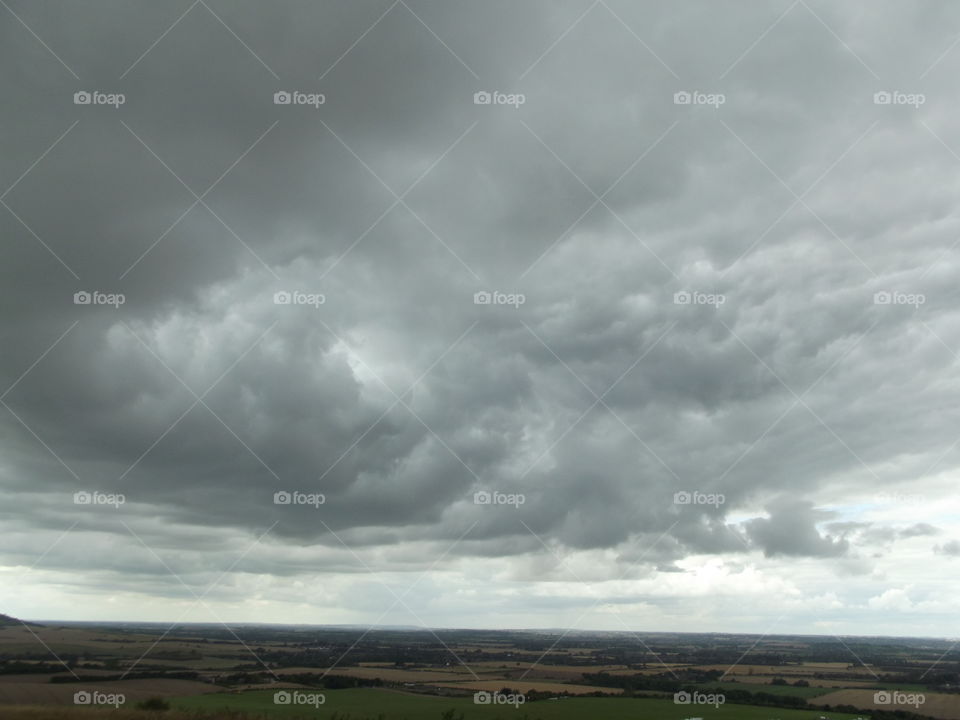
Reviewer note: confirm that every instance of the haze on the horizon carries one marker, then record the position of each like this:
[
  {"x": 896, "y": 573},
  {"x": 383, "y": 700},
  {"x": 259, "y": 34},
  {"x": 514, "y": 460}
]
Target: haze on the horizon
[{"x": 756, "y": 300}]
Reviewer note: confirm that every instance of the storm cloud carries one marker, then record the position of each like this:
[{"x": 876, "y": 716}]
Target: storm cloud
[{"x": 531, "y": 299}]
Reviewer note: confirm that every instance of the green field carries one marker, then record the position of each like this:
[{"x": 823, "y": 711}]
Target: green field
[{"x": 370, "y": 703}]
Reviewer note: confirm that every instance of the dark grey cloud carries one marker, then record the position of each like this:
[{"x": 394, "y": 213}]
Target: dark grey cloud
[{"x": 598, "y": 199}]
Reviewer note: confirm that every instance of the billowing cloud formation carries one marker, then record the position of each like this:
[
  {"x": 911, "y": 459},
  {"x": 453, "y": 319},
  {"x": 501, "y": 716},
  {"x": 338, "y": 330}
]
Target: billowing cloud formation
[{"x": 719, "y": 250}]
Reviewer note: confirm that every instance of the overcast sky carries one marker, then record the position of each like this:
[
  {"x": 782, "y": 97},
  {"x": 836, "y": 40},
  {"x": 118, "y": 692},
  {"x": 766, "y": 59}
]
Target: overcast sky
[{"x": 714, "y": 388}]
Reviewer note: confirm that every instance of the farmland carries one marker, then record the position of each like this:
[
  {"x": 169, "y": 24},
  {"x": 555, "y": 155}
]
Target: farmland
[{"x": 414, "y": 673}]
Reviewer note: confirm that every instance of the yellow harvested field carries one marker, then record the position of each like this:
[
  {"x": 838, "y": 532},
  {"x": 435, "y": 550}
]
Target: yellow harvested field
[
  {"x": 790, "y": 670},
  {"x": 388, "y": 674},
  {"x": 525, "y": 685},
  {"x": 938, "y": 705}
]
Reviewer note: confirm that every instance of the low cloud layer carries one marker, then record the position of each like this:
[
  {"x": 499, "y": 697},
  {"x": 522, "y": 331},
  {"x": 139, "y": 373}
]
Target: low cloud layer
[{"x": 555, "y": 307}]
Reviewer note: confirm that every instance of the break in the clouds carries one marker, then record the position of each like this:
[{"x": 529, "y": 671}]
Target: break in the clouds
[{"x": 615, "y": 314}]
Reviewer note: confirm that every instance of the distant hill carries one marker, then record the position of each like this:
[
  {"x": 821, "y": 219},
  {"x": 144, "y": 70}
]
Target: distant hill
[{"x": 6, "y": 620}]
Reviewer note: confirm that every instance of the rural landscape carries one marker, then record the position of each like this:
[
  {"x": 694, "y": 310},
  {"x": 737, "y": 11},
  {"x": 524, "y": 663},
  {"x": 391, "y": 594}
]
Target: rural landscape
[{"x": 84, "y": 670}]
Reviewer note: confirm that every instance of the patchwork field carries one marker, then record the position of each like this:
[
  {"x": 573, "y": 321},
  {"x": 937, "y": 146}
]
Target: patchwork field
[{"x": 362, "y": 704}]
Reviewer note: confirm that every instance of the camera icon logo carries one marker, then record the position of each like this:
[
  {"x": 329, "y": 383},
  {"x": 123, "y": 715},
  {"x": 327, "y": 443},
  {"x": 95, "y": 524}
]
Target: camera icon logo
[
  {"x": 482, "y": 298},
  {"x": 82, "y": 97},
  {"x": 282, "y": 498},
  {"x": 882, "y": 697},
  {"x": 282, "y": 297},
  {"x": 82, "y": 498},
  {"x": 282, "y": 97},
  {"x": 482, "y": 698},
  {"x": 82, "y": 697},
  {"x": 682, "y": 98},
  {"x": 82, "y": 298},
  {"x": 882, "y": 298},
  {"x": 681, "y": 298},
  {"x": 482, "y": 97},
  {"x": 682, "y": 698},
  {"x": 482, "y": 497},
  {"x": 282, "y": 697},
  {"x": 882, "y": 98},
  {"x": 682, "y": 498}
]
